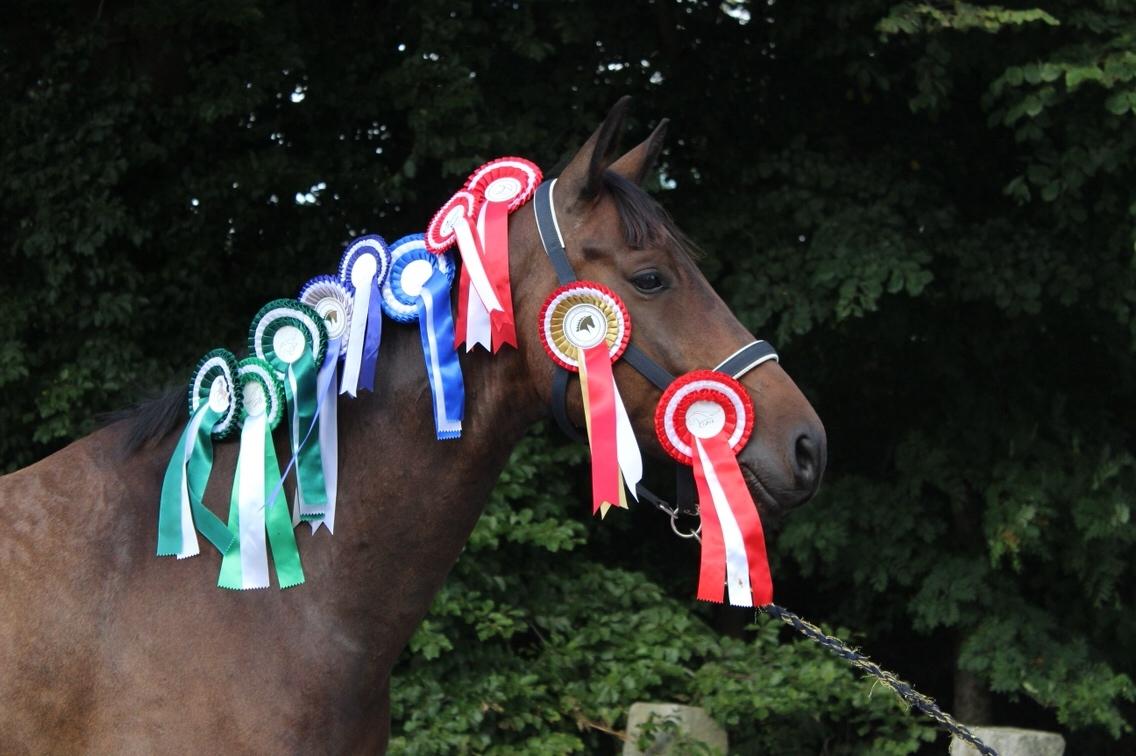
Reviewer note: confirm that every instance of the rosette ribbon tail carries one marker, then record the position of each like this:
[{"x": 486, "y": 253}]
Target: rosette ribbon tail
[
  {"x": 436, "y": 327},
  {"x": 493, "y": 225},
  {"x": 302, "y": 392},
  {"x": 598, "y": 384},
  {"x": 471, "y": 254},
  {"x": 182, "y": 489},
  {"x": 328, "y": 417},
  {"x": 363, "y": 341},
  {"x": 733, "y": 542}
]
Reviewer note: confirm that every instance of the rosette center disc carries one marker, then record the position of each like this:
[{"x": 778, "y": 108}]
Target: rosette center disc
[
  {"x": 288, "y": 343},
  {"x": 705, "y": 419},
  {"x": 503, "y": 189},
  {"x": 334, "y": 316},
  {"x": 456, "y": 213},
  {"x": 415, "y": 275},
  {"x": 364, "y": 269},
  {"x": 219, "y": 394},
  {"x": 256, "y": 403},
  {"x": 585, "y": 325}
]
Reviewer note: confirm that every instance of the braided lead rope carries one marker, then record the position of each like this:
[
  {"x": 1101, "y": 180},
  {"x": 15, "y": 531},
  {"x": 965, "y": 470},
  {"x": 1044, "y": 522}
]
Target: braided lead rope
[{"x": 864, "y": 664}]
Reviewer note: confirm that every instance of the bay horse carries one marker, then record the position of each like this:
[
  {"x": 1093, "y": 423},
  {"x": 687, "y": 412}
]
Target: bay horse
[{"x": 105, "y": 648}]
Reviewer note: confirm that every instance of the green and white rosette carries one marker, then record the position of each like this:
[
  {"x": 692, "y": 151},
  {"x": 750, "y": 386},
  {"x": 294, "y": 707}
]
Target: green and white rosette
[
  {"x": 329, "y": 297},
  {"x": 251, "y": 513},
  {"x": 292, "y": 339},
  {"x": 214, "y": 410}
]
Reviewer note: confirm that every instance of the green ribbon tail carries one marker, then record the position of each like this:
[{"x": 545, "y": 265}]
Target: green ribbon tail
[
  {"x": 230, "y": 576},
  {"x": 197, "y": 474},
  {"x": 278, "y": 523},
  {"x": 309, "y": 460},
  {"x": 169, "y": 509}
]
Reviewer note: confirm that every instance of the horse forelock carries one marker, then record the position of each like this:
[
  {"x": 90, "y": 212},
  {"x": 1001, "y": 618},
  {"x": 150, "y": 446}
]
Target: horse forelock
[
  {"x": 151, "y": 420},
  {"x": 646, "y": 222}
]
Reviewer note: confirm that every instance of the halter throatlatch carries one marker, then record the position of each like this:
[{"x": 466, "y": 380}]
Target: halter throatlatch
[{"x": 734, "y": 540}]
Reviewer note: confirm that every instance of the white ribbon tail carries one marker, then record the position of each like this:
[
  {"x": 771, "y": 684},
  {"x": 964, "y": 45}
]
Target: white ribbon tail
[
  {"x": 630, "y": 458},
  {"x": 478, "y": 327},
  {"x": 468, "y": 247},
  {"x": 329, "y": 442},
  {"x": 250, "y": 503},
  {"x": 189, "y": 544},
  {"x": 737, "y": 565},
  {"x": 354, "y": 359}
]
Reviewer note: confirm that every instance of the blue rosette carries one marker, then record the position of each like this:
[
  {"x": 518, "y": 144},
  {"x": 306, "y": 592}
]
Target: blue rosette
[
  {"x": 418, "y": 288},
  {"x": 291, "y": 337},
  {"x": 362, "y": 270},
  {"x": 214, "y": 410}
]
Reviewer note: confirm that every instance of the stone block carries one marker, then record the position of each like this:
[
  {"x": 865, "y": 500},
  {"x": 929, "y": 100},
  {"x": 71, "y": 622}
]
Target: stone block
[
  {"x": 1011, "y": 741},
  {"x": 679, "y": 725}
]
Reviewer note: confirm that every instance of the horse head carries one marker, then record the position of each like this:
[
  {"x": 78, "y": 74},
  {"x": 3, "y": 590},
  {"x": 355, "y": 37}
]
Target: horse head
[{"x": 616, "y": 235}]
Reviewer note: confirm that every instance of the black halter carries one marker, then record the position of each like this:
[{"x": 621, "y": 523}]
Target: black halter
[{"x": 736, "y": 365}]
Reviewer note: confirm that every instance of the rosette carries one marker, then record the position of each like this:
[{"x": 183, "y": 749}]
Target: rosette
[
  {"x": 362, "y": 269},
  {"x": 214, "y": 406},
  {"x": 418, "y": 288},
  {"x": 585, "y": 328},
  {"x": 499, "y": 187},
  {"x": 704, "y": 419},
  {"x": 251, "y": 514},
  {"x": 330, "y": 297},
  {"x": 291, "y": 337},
  {"x": 478, "y": 303}
]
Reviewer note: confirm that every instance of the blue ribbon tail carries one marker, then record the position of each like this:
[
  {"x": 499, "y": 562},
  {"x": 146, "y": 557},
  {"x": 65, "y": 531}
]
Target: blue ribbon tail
[
  {"x": 372, "y": 339},
  {"x": 436, "y": 326}
]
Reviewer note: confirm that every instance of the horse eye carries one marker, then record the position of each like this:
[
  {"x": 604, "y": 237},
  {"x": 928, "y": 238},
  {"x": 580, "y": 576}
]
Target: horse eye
[{"x": 648, "y": 282}]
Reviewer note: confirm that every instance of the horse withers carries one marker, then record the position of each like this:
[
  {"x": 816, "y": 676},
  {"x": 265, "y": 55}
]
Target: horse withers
[{"x": 105, "y": 648}]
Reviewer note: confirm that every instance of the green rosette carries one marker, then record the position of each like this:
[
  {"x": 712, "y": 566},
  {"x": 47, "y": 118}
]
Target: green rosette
[
  {"x": 261, "y": 390},
  {"x": 215, "y": 373},
  {"x": 214, "y": 407},
  {"x": 268, "y": 343},
  {"x": 257, "y": 505},
  {"x": 292, "y": 338}
]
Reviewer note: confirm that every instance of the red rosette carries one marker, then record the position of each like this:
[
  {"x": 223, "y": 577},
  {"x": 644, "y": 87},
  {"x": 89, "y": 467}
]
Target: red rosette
[
  {"x": 440, "y": 234},
  {"x": 506, "y": 179},
  {"x": 671, "y": 414},
  {"x": 558, "y": 346}
]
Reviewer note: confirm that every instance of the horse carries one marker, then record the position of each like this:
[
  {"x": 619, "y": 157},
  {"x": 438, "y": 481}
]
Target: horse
[{"x": 105, "y": 648}]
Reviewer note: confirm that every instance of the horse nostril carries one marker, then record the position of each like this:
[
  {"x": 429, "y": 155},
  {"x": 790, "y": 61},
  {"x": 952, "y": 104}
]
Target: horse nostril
[{"x": 809, "y": 461}]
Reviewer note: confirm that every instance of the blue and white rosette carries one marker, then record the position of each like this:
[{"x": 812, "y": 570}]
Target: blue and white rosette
[
  {"x": 291, "y": 337},
  {"x": 214, "y": 408},
  {"x": 363, "y": 269},
  {"x": 418, "y": 288},
  {"x": 252, "y": 515},
  {"x": 332, "y": 301}
]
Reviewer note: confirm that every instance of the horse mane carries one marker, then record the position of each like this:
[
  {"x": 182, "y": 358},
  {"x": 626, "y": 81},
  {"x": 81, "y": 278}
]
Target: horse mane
[
  {"x": 646, "y": 222},
  {"x": 151, "y": 420}
]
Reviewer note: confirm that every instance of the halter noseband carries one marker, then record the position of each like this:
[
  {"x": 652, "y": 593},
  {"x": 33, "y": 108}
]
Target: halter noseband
[{"x": 736, "y": 365}]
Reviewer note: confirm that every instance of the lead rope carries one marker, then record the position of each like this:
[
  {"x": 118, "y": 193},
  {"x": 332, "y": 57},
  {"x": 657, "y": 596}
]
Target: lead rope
[{"x": 859, "y": 661}]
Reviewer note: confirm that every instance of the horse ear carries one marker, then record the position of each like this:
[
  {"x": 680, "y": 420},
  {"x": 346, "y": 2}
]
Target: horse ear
[
  {"x": 583, "y": 176},
  {"x": 638, "y": 163}
]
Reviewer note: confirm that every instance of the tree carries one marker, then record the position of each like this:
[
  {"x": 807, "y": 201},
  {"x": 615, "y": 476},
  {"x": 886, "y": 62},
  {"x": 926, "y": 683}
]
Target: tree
[{"x": 926, "y": 207}]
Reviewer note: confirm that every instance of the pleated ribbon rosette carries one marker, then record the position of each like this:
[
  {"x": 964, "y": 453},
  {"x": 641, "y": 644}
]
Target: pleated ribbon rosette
[
  {"x": 252, "y": 514},
  {"x": 703, "y": 420},
  {"x": 362, "y": 270},
  {"x": 476, "y": 219},
  {"x": 214, "y": 407},
  {"x": 290, "y": 336},
  {"x": 585, "y": 327},
  {"x": 334, "y": 303},
  {"x": 418, "y": 289}
]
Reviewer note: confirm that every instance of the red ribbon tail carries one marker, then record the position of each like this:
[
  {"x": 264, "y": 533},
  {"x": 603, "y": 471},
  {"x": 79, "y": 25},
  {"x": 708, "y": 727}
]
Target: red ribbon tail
[
  {"x": 601, "y": 409},
  {"x": 712, "y": 567},
  {"x": 463, "y": 308},
  {"x": 496, "y": 248},
  {"x": 741, "y": 504}
]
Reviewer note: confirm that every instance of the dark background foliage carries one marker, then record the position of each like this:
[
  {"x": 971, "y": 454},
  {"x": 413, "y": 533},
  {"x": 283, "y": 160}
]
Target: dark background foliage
[{"x": 928, "y": 208}]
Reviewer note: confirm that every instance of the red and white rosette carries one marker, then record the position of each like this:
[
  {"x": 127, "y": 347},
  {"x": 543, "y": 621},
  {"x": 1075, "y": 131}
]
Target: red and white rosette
[
  {"x": 585, "y": 328},
  {"x": 703, "y": 420},
  {"x": 501, "y": 186}
]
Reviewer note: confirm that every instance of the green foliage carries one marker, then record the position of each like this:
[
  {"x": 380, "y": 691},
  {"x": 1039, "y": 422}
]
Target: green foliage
[{"x": 927, "y": 206}]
